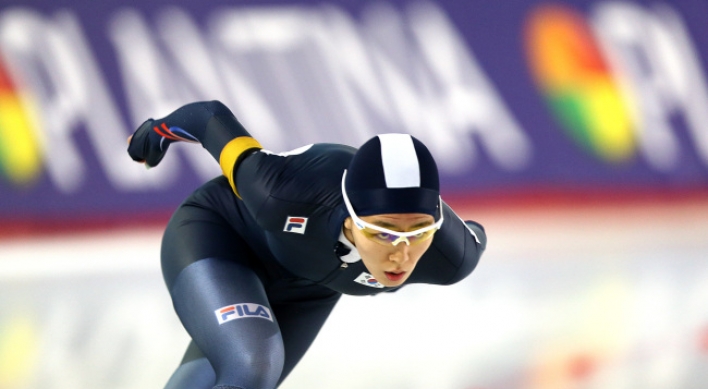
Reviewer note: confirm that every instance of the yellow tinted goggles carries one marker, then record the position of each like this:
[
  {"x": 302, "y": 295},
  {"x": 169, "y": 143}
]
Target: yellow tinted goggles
[{"x": 385, "y": 236}]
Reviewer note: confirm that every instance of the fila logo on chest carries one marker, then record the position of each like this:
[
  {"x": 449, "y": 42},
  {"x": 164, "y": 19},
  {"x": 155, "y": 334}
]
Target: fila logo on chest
[{"x": 295, "y": 224}]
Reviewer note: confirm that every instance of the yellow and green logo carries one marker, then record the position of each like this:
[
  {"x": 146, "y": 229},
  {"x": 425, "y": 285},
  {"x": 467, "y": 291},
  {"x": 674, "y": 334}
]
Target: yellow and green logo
[
  {"x": 18, "y": 351},
  {"x": 20, "y": 153},
  {"x": 570, "y": 69}
]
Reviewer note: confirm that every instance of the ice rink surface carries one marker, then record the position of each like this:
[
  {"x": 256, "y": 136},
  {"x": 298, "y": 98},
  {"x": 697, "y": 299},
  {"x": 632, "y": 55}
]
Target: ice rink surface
[{"x": 610, "y": 296}]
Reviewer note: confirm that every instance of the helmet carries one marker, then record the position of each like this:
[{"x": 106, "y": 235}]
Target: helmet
[{"x": 393, "y": 173}]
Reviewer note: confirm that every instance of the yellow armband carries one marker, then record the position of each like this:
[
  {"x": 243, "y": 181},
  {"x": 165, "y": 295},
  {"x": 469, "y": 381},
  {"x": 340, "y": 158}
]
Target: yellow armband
[{"x": 232, "y": 152}]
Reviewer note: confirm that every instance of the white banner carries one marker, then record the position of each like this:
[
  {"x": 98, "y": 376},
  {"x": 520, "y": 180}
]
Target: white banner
[{"x": 593, "y": 299}]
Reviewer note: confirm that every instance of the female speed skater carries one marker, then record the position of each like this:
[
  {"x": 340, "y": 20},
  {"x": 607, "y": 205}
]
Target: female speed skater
[{"x": 256, "y": 259}]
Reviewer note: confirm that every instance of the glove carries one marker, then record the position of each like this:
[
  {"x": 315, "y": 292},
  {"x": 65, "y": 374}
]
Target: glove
[
  {"x": 474, "y": 224},
  {"x": 478, "y": 231},
  {"x": 147, "y": 146}
]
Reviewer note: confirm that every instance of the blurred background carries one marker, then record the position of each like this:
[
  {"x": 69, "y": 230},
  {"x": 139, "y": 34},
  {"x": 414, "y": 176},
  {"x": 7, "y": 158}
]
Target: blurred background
[{"x": 575, "y": 131}]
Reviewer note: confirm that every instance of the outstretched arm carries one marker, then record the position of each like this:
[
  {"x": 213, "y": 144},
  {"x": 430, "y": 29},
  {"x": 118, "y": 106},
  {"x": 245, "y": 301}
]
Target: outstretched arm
[{"x": 210, "y": 123}]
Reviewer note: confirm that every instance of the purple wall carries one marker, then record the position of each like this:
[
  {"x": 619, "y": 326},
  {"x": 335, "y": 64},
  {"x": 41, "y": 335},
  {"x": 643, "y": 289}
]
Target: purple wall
[{"x": 511, "y": 97}]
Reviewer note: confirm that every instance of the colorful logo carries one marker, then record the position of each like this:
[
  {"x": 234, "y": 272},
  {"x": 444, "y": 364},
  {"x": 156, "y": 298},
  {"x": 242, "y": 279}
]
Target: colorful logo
[
  {"x": 240, "y": 311},
  {"x": 296, "y": 224},
  {"x": 19, "y": 350},
  {"x": 20, "y": 154},
  {"x": 368, "y": 280},
  {"x": 174, "y": 134},
  {"x": 573, "y": 74}
]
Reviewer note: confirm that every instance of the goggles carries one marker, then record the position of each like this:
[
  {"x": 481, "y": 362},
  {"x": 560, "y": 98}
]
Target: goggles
[{"x": 385, "y": 236}]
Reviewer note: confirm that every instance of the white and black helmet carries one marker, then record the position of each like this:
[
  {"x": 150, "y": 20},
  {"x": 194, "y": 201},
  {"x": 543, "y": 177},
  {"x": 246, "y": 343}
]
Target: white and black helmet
[{"x": 393, "y": 173}]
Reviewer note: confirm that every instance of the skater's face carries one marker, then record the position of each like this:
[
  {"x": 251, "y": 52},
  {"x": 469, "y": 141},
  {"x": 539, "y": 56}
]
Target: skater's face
[{"x": 391, "y": 261}]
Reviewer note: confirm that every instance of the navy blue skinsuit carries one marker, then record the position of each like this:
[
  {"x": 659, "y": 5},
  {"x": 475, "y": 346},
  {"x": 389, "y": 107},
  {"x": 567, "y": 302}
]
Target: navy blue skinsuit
[{"x": 254, "y": 278}]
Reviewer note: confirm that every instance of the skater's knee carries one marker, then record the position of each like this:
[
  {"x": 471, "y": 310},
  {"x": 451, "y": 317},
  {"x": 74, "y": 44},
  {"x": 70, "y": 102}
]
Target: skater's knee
[{"x": 254, "y": 367}]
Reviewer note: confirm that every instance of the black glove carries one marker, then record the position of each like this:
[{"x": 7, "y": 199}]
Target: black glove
[
  {"x": 148, "y": 146},
  {"x": 479, "y": 231}
]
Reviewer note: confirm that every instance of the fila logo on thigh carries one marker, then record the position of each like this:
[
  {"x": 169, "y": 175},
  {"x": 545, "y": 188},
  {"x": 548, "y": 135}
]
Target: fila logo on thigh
[{"x": 242, "y": 311}]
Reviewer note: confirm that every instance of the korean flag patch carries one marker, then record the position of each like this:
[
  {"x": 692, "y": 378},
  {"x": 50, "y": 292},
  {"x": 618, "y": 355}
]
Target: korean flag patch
[{"x": 368, "y": 280}]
